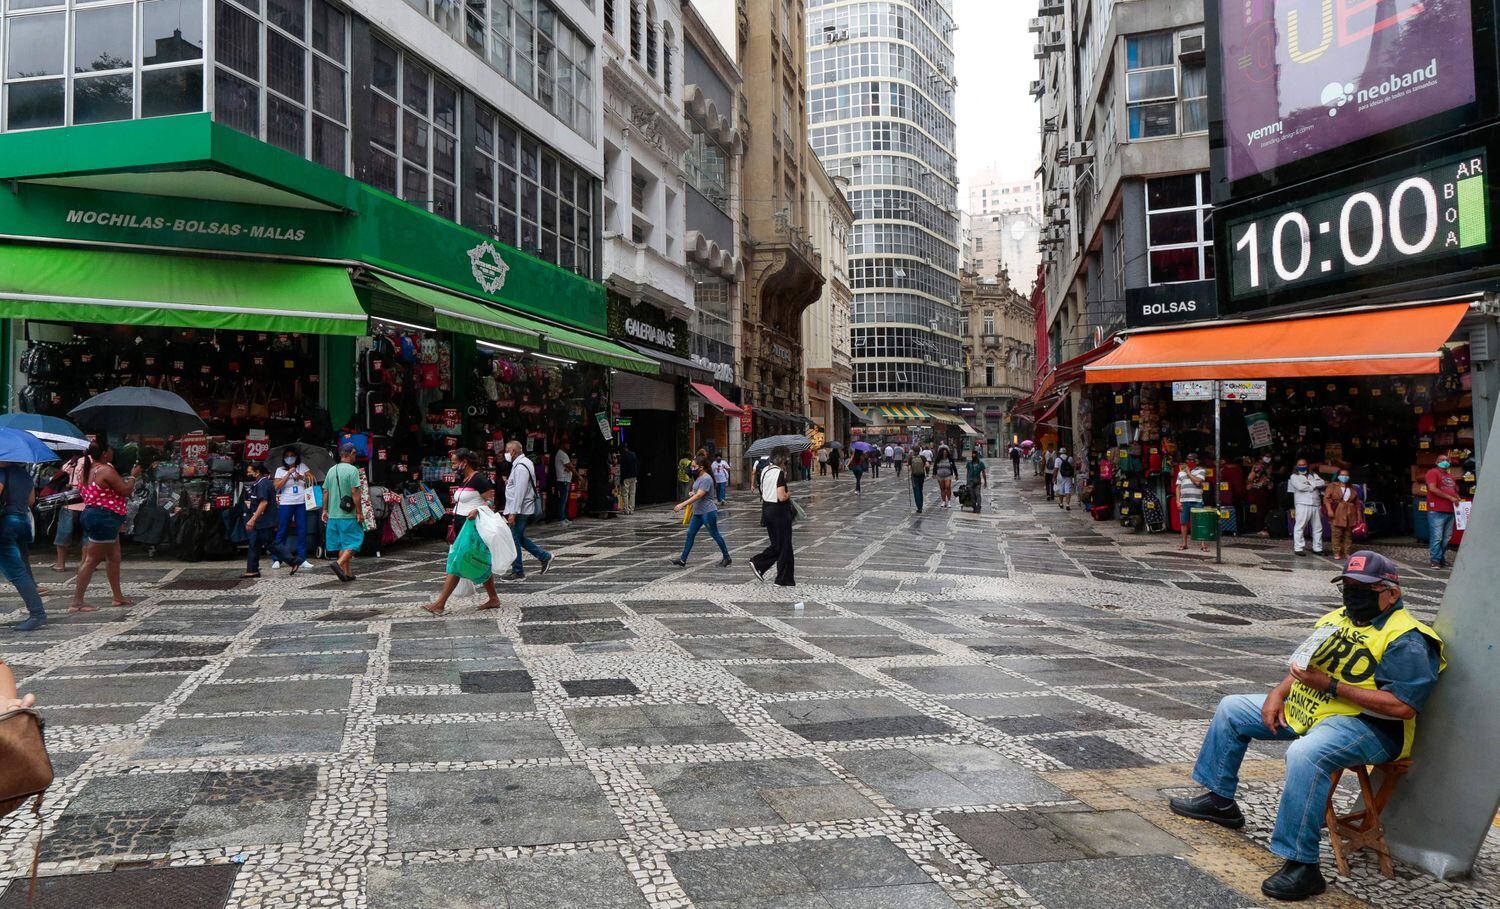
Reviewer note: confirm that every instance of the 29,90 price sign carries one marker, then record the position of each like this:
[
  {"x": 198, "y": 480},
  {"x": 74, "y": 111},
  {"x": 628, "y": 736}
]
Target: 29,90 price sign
[{"x": 1382, "y": 225}]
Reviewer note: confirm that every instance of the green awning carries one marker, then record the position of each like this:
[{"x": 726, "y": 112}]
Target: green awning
[
  {"x": 60, "y": 284},
  {"x": 467, "y": 317},
  {"x": 578, "y": 346}
]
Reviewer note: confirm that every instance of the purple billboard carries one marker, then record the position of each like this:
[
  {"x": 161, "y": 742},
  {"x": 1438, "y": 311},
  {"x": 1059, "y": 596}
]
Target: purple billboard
[{"x": 1302, "y": 77}]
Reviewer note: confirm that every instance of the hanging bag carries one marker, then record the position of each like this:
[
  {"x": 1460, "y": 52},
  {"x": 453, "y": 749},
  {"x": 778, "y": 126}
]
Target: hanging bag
[{"x": 25, "y": 771}]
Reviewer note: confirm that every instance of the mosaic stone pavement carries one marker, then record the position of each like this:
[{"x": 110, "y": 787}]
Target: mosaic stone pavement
[{"x": 975, "y": 711}]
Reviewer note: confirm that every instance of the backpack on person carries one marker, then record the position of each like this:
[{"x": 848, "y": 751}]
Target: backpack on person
[
  {"x": 919, "y": 466},
  {"x": 1065, "y": 469}
]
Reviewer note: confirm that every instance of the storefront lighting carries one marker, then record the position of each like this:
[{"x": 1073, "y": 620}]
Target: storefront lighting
[
  {"x": 548, "y": 357},
  {"x": 489, "y": 345},
  {"x": 412, "y": 325}
]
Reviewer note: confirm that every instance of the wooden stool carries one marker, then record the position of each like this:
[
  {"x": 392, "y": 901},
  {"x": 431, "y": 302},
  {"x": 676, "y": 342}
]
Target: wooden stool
[{"x": 1363, "y": 829}]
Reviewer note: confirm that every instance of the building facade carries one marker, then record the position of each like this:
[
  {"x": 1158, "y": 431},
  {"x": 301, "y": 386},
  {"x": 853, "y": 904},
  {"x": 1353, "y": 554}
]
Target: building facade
[
  {"x": 882, "y": 95},
  {"x": 999, "y": 356},
  {"x": 1003, "y": 226},
  {"x": 828, "y": 368},
  {"x": 784, "y": 274},
  {"x": 1124, "y": 112}
]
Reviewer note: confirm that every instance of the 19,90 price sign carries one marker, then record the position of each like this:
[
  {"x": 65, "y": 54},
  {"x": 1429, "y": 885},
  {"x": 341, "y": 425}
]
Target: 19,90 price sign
[{"x": 1380, "y": 226}]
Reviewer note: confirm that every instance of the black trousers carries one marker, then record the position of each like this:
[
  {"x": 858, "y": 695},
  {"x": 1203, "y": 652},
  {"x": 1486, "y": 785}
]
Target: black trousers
[
  {"x": 777, "y": 519},
  {"x": 1049, "y": 477}
]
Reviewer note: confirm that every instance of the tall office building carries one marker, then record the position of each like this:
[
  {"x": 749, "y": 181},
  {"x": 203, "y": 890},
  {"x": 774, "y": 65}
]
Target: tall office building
[
  {"x": 1005, "y": 221},
  {"x": 881, "y": 93}
]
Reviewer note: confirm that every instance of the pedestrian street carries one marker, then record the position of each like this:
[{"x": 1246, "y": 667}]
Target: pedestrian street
[{"x": 948, "y": 710}]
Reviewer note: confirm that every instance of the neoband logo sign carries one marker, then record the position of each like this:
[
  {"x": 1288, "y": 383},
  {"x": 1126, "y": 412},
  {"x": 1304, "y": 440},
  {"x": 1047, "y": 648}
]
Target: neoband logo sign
[
  {"x": 662, "y": 337},
  {"x": 1338, "y": 94}
]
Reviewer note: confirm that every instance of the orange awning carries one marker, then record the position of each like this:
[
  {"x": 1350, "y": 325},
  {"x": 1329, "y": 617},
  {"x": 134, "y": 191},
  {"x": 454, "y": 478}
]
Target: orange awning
[{"x": 1401, "y": 341}]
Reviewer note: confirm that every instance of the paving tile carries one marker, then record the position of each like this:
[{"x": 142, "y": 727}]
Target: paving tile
[
  {"x": 802, "y": 677},
  {"x": 189, "y": 887},
  {"x": 946, "y": 680},
  {"x": 870, "y": 647},
  {"x": 264, "y": 667},
  {"x": 476, "y": 808},
  {"x": 581, "y": 633},
  {"x": 1089, "y": 752},
  {"x": 123, "y": 689},
  {"x": 1137, "y": 882},
  {"x": 511, "y": 740},
  {"x": 218, "y": 736},
  {"x": 1012, "y": 837},
  {"x": 742, "y": 649},
  {"x": 599, "y": 688},
  {"x": 614, "y": 727},
  {"x": 245, "y": 697}
]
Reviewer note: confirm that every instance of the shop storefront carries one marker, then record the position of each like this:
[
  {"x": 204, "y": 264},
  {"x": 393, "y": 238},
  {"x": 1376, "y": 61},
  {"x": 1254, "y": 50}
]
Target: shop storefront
[{"x": 287, "y": 303}]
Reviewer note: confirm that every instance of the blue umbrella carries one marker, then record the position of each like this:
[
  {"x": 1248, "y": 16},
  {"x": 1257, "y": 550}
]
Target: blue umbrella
[
  {"x": 17, "y": 447},
  {"x": 59, "y": 434}
]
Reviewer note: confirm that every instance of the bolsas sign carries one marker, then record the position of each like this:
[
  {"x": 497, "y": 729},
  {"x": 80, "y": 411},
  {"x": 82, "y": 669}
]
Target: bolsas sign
[
  {"x": 1304, "y": 77},
  {"x": 1170, "y": 304}
]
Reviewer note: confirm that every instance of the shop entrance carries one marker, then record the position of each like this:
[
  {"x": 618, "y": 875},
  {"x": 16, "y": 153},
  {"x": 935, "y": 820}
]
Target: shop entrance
[{"x": 650, "y": 406}]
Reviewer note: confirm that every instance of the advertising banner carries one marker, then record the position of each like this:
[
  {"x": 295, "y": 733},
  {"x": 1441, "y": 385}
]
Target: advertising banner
[{"x": 1302, "y": 77}]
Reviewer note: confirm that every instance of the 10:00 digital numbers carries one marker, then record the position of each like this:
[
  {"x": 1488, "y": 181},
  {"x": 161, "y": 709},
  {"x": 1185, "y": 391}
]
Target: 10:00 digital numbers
[{"x": 1438, "y": 210}]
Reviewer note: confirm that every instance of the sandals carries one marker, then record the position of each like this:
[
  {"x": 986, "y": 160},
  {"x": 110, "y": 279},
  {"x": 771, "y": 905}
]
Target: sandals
[
  {"x": 84, "y": 608},
  {"x": 249, "y": 575},
  {"x": 427, "y": 607}
]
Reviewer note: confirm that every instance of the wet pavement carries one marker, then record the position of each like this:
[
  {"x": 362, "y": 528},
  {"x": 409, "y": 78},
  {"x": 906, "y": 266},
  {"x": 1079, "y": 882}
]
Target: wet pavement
[{"x": 974, "y": 710}]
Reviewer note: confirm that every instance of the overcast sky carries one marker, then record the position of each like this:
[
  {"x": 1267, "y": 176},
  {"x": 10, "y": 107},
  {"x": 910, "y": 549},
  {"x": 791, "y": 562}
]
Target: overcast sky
[{"x": 997, "y": 119}]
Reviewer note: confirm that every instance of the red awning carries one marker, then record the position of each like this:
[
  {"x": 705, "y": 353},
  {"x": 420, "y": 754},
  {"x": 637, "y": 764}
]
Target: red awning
[
  {"x": 1058, "y": 382},
  {"x": 712, "y": 396}
]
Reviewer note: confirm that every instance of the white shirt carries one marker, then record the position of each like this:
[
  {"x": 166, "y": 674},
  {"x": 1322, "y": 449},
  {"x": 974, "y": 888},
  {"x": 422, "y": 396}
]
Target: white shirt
[
  {"x": 890, "y": 453},
  {"x": 1190, "y": 484},
  {"x": 561, "y": 465},
  {"x": 768, "y": 478},
  {"x": 927, "y": 455},
  {"x": 721, "y": 471},
  {"x": 295, "y": 490},
  {"x": 1304, "y": 488},
  {"x": 520, "y": 487}
]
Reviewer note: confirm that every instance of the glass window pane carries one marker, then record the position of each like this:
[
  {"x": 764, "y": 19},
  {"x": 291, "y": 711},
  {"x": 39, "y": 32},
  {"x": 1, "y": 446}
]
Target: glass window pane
[
  {"x": 549, "y": 211},
  {"x": 288, "y": 15},
  {"x": 481, "y": 214},
  {"x": 171, "y": 31},
  {"x": 528, "y": 200},
  {"x": 1174, "y": 228},
  {"x": 382, "y": 171},
  {"x": 1152, "y": 121},
  {"x": 484, "y": 129},
  {"x": 33, "y": 4},
  {"x": 383, "y": 123},
  {"x": 549, "y": 171},
  {"x": 1152, "y": 85},
  {"x": 505, "y": 190},
  {"x": 328, "y": 89},
  {"x": 414, "y": 184},
  {"x": 286, "y": 66},
  {"x": 328, "y": 144},
  {"x": 505, "y": 144},
  {"x": 328, "y": 30},
  {"x": 101, "y": 39},
  {"x": 387, "y": 63},
  {"x": 505, "y": 229},
  {"x": 1194, "y": 81},
  {"x": 286, "y": 125},
  {"x": 1195, "y": 115},
  {"x": 98, "y": 99},
  {"x": 444, "y": 106},
  {"x": 444, "y": 156},
  {"x": 34, "y": 46},
  {"x": 178, "y": 90},
  {"x": 482, "y": 175},
  {"x": 1179, "y": 191},
  {"x": 236, "y": 102},
  {"x": 34, "y": 104},
  {"x": 475, "y": 26},
  {"x": 528, "y": 158},
  {"x": 237, "y": 40},
  {"x": 1149, "y": 50},
  {"x": 1169, "y": 266},
  {"x": 416, "y": 134},
  {"x": 442, "y": 199},
  {"x": 414, "y": 91}
]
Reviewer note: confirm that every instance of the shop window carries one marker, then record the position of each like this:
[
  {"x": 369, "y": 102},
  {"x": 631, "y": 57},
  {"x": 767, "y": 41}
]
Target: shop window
[
  {"x": 299, "y": 101},
  {"x": 414, "y": 137},
  {"x": 128, "y": 60},
  {"x": 1179, "y": 229}
]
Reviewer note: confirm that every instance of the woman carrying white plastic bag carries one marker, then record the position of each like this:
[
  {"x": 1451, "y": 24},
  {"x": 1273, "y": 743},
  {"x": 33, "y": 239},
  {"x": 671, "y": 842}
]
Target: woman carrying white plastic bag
[{"x": 470, "y": 559}]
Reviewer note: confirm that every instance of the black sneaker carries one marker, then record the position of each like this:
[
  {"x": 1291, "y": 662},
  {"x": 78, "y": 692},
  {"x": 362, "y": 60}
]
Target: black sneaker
[
  {"x": 548, "y": 564},
  {"x": 512, "y": 576},
  {"x": 759, "y": 575},
  {"x": 679, "y": 563},
  {"x": 726, "y": 562},
  {"x": 1202, "y": 808},
  {"x": 1295, "y": 881}
]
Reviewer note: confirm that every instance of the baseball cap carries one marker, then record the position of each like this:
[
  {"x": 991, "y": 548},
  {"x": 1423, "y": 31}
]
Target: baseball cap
[{"x": 1369, "y": 568}]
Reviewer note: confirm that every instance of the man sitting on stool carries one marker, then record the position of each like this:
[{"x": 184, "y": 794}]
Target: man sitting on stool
[{"x": 1355, "y": 703}]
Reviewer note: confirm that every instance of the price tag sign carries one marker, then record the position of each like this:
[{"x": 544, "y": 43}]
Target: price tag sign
[{"x": 194, "y": 446}]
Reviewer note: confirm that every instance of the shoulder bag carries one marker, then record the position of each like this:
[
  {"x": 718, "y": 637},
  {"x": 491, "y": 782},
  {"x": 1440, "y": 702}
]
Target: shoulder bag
[{"x": 25, "y": 771}]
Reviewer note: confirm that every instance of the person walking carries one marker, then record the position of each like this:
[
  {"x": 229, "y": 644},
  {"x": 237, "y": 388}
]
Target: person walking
[
  {"x": 341, "y": 506},
  {"x": 1066, "y": 479},
  {"x": 945, "y": 469},
  {"x": 835, "y": 461},
  {"x": 1305, "y": 487},
  {"x": 291, "y": 481},
  {"x": 1442, "y": 502},
  {"x": 260, "y": 526},
  {"x": 1190, "y": 480},
  {"x": 1049, "y": 471},
  {"x": 872, "y": 461},
  {"x": 562, "y": 479},
  {"x": 805, "y": 458},
  {"x": 473, "y": 491},
  {"x": 720, "y": 469},
  {"x": 1344, "y": 509},
  {"x": 857, "y": 466},
  {"x": 68, "y": 517},
  {"x": 17, "y": 495},
  {"x": 823, "y": 461},
  {"x": 104, "y": 494},
  {"x": 703, "y": 512},
  {"x": 899, "y": 460},
  {"x": 521, "y": 496},
  {"x": 630, "y": 471},
  {"x": 776, "y": 515},
  {"x": 917, "y": 468},
  {"x": 978, "y": 479},
  {"x": 1015, "y": 460},
  {"x": 890, "y": 457}
]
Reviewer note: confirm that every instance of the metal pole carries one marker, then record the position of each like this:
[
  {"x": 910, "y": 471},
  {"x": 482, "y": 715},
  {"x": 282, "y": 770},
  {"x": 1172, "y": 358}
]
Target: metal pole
[{"x": 1218, "y": 465}]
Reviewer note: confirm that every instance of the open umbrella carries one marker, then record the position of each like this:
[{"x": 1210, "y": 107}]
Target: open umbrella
[
  {"x": 833, "y": 445},
  {"x": 1028, "y": 444},
  {"x": 765, "y": 446},
  {"x": 17, "y": 447},
  {"x": 862, "y": 446},
  {"x": 136, "y": 410},
  {"x": 55, "y": 432},
  {"x": 318, "y": 459}
]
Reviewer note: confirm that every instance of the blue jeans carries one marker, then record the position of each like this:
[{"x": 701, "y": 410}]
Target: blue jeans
[
  {"x": 1439, "y": 532},
  {"x": 916, "y": 491},
  {"x": 1336, "y": 743},
  {"x": 285, "y": 515},
  {"x": 698, "y": 521},
  {"x": 562, "y": 500},
  {"x": 723, "y": 490},
  {"x": 518, "y": 533},
  {"x": 858, "y": 475},
  {"x": 15, "y": 536}
]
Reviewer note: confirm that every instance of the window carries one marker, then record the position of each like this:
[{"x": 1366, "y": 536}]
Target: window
[
  {"x": 989, "y": 375},
  {"x": 129, "y": 60},
  {"x": 1179, "y": 231},
  {"x": 707, "y": 166},
  {"x": 635, "y": 29},
  {"x": 414, "y": 133},
  {"x": 651, "y": 40},
  {"x": 638, "y": 186},
  {"x": 978, "y": 244},
  {"x": 666, "y": 61},
  {"x": 989, "y": 323},
  {"x": 609, "y": 17},
  {"x": 1162, "y": 96}
]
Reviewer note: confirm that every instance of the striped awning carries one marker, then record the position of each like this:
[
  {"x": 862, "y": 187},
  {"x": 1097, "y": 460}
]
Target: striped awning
[{"x": 904, "y": 413}]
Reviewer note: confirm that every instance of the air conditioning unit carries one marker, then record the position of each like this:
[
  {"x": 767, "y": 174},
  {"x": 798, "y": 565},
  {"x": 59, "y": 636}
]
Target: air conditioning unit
[
  {"x": 1036, "y": 88},
  {"x": 1050, "y": 8},
  {"x": 1080, "y": 152},
  {"x": 1038, "y": 24},
  {"x": 1062, "y": 154},
  {"x": 1190, "y": 48},
  {"x": 1054, "y": 40},
  {"x": 1064, "y": 192},
  {"x": 1038, "y": 53}
]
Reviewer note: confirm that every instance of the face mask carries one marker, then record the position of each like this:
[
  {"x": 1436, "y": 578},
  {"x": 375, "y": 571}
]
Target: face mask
[
  {"x": 1443, "y": 465},
  {"x": 1343, "y": 478},
  {"x": 1302, "y": 470},
  {"x": 509, "y": 457},
  {"x": 289, "y": 461},
  {"x": 1265, "y": 460},
  {"x": 1361, "y": 604}
]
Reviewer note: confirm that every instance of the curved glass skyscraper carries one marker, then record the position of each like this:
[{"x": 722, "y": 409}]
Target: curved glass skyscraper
[{"x": 880, "y": 106}]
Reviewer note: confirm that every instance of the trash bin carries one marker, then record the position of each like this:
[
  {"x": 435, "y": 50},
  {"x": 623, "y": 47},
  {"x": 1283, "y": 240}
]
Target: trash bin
[{"x": 1205, "y": 526}]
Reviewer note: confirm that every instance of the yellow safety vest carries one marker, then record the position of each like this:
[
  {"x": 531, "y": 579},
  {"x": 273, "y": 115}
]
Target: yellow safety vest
[{"x": 1351, "y": 656}]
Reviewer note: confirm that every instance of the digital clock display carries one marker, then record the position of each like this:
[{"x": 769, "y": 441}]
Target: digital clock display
[{"x": 1432, "y": 212}]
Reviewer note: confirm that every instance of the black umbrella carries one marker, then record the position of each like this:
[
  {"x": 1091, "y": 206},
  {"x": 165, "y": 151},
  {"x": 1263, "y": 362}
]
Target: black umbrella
[
  {"x": 316, "y": 458},
  {"x": 833, "y": 445},
  {"x": 771, "y": 443},
  {"x": 136, "y": 410}
]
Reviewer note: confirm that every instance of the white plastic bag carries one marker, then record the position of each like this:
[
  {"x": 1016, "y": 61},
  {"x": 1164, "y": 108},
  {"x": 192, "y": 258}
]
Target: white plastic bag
[{"x": 496, "y": 535}]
